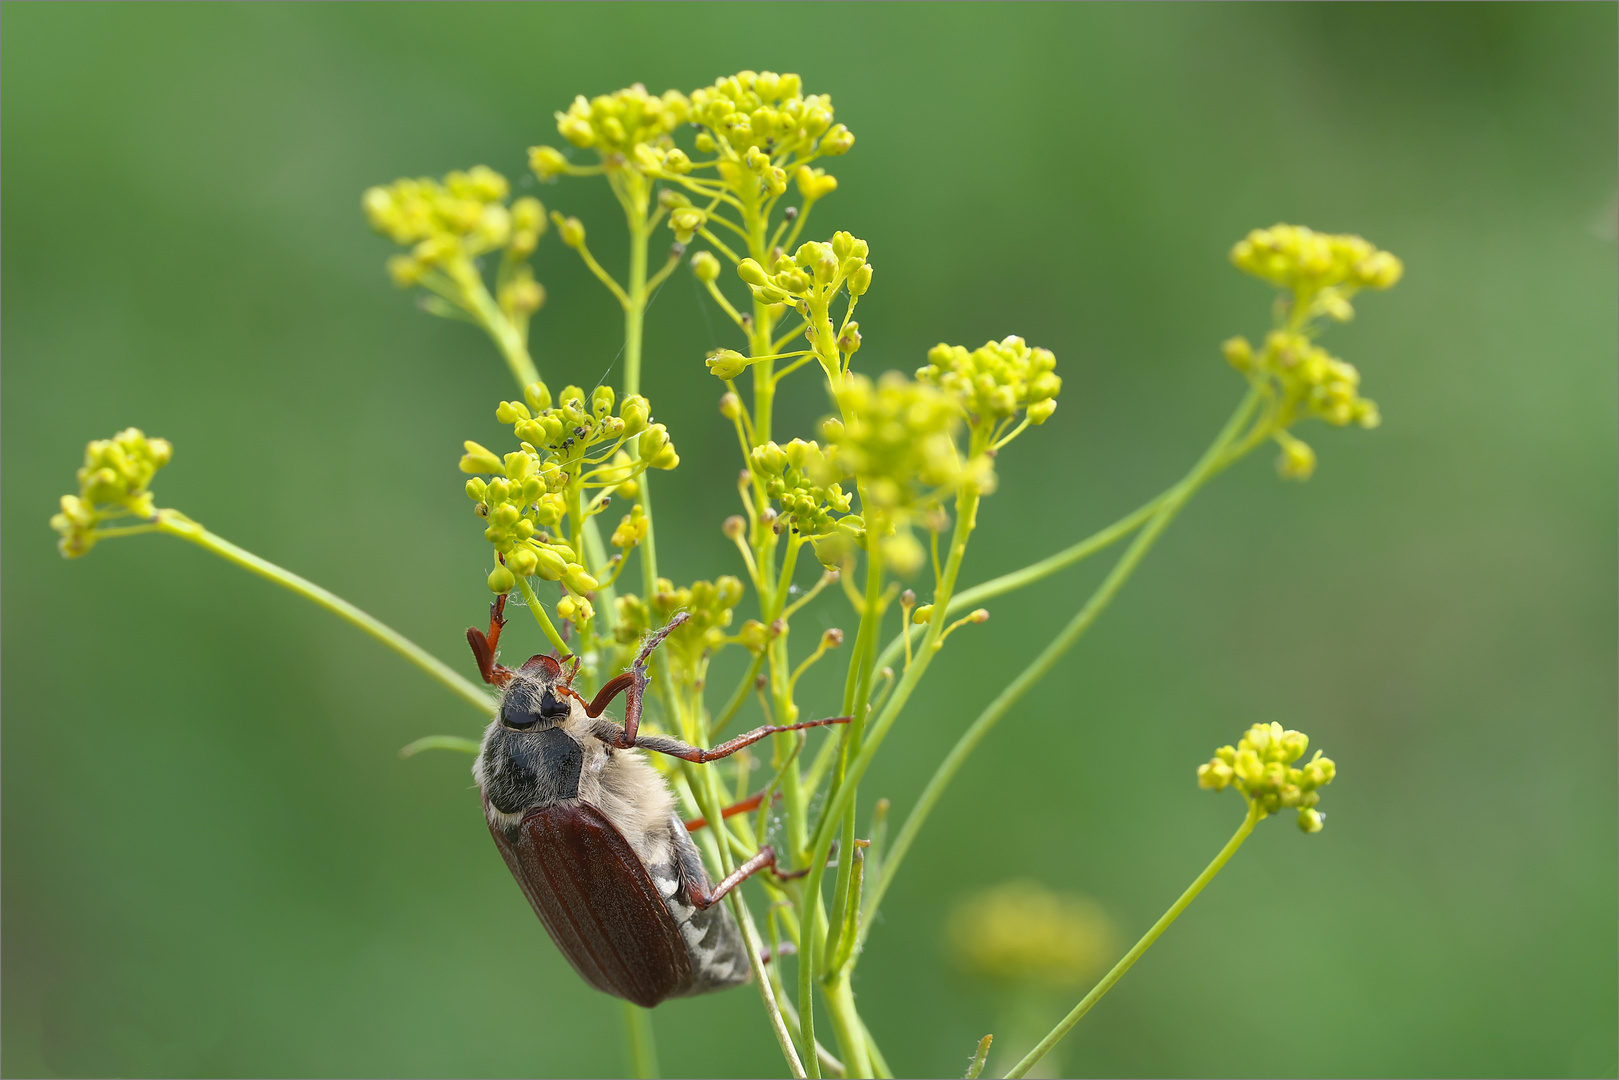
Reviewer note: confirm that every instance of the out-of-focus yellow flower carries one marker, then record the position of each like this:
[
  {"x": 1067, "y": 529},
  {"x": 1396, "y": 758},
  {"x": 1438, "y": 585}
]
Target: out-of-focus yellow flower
[
  {"x": 614, "y": 125},
  {"x": 1023, "y": 932},
  {"x": 1305, "y": 261},
  {"x": 113, "y": 483},
  {"x": 709, "y": 603}
]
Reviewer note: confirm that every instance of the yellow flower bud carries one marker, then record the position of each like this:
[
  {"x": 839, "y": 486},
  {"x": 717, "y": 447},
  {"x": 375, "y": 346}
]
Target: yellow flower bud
[
  {"x": 922, "y": 615},
  {"x": 522, "y": 561},
  {"x": 570, "y": 229},
  {"x": 577, "y": 579},
  {"x": 705, "y": 266},
  {"x": 653, "y": 440},
  {"x": 685, "y": 222},
  {"x": 837, "y": 141},
  {"x": 479, "y": 459},
  {"x": 1214, "y": 775},
  {"x": 634, "y": 411},
  {"x": 814, "y": 184},
  {"x": 404, "y": 270},
  {"x": 501, "y": 580},
  {"x": 726, "y": 363},
  {"x": 1297, "y": 460},
  {"x": 860, "y": 281},
  {"x": 548, "y": 564},
  {"x": 1238, "y": 353}
]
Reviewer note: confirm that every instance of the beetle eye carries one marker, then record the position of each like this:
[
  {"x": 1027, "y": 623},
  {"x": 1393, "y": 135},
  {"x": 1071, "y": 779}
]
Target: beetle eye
[{"x": 552, "y": 708}]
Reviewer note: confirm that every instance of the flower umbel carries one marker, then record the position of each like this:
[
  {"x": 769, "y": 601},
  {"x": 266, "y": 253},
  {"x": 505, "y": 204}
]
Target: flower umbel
[
  {"x": 709, "y": 604},
  {"x": 1300, "y": 379},
  {"x": 614, "y": 125},
  {"x": 113, "y": 483},
  {"x": 995, "y": 382},
  {"x": 1261, "y": 768},
  {"x": 571, "y": 458}
]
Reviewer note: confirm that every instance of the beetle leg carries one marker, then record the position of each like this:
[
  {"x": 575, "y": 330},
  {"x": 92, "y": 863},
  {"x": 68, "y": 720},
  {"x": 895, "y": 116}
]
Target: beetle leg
[
  {"x": 634, "y": 681},
  {"x": 707, "y": 898},
  {"x": 675, "y": 748},
  {"x": 484, "y": 645},
  {"x": 750, "y": 803},
  {"x": 768, "y": 954}
]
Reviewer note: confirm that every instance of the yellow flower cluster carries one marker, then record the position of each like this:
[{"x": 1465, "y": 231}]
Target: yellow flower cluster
[
  {"x": 113, "y": 483},
  {"x": 1305, "y": 261},
  {"x": 898, "y": 438},
  {"x": 767, "y": 112},
  {"x": 1307, "y": 381},
  {"x": 631, "y": 529},
  {"x": 709, "y": 603},
  {"x": 1022, "y": 932},
  {"x": 1260, "y": 766},
  {"x": 614, "y": 125},
  {"x": 812, "y": 275},
  {"x": 997, "y": 380},
  {"x": 447, "y": 224},
  {"x": 566, "y": 449},
  {"x": 795, "y": 476}
]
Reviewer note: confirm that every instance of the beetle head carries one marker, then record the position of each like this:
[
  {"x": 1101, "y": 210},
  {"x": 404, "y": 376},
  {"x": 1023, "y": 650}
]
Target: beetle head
[{"x": 538, "y": 696}]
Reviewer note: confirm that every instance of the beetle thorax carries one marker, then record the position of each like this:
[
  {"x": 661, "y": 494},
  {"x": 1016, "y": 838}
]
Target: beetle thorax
[{"x": 543, "y": 749}]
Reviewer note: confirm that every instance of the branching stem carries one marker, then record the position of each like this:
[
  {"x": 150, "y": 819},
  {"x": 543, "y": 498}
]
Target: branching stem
[
  {"x": 1066, "y": 1024},
  {"x": 177, "y": 524},
  {"x": 1168, "y": 505}
]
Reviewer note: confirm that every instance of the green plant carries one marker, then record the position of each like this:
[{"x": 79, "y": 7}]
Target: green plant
[{"x": 885, "y": 498}]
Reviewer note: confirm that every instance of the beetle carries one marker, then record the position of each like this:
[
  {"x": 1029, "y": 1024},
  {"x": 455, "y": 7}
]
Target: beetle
[{"x": 589, "y": 831}]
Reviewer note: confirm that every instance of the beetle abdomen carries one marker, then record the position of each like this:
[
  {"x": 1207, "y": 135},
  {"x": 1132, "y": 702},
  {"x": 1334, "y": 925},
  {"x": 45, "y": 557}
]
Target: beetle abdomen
[
  {"x": 714, "y": 945},
  {"x": 598, "y": 903}
]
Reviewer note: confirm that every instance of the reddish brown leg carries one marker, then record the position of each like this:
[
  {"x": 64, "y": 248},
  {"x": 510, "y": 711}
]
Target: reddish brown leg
[
  {"x": 675, "y": 748},
  {"x": 484, "y": 645},
  {"x": 707, "y": 899},
  {"x": 633, "y": 681},
  {"x": 786, "y": 948},
  {"x": 750, "y": 803},
  {"x": 765, "y": 859}
]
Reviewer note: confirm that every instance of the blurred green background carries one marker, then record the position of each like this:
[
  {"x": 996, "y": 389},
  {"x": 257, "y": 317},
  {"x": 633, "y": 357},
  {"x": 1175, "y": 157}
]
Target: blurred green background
[{"x": 215, "y": 864}]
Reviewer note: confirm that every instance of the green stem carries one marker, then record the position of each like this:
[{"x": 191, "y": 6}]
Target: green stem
[
  {"x": 966, "y": 519},
  {"x": 850, "y": 1031},
  {"x": 441, "y": 742},
  {"x": 856, "y": 691},
  {"x": 1169, "y": 504},
  {"x": 635, "y": 309},
  {"x": 1028, "y": 575},
  {"x": 842, "y": 799},
  {"x": 1248, "y": 822},
  {"x": 540, "y": 617},
  {"x": 505, "y": 336},
  {"x": 177, "y": 524},
  {"x": 638, "y": 1033}
]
